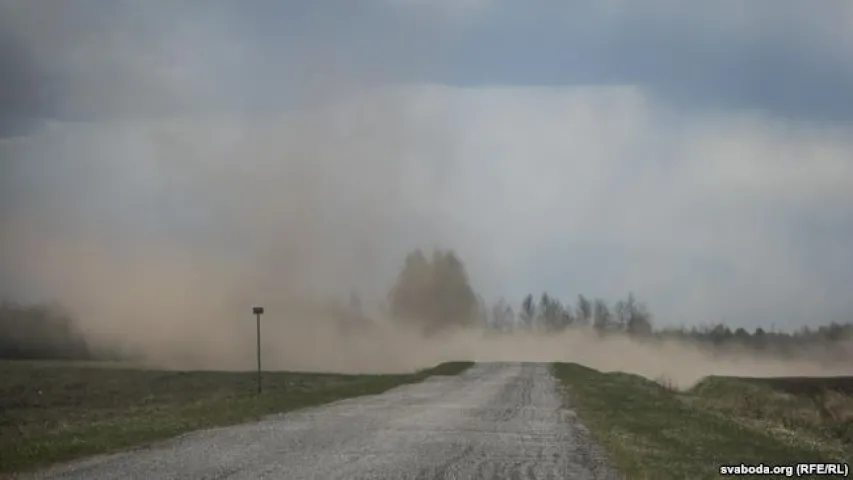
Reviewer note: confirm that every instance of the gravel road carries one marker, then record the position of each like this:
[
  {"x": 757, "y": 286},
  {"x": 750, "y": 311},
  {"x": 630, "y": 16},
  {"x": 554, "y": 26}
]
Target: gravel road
[{"x": 495, "y": 421}]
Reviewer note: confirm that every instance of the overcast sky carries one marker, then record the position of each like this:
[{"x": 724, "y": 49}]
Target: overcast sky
[{"x": 699, "y": 154}]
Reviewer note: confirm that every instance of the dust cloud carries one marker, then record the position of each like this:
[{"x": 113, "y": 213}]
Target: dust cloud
[
  {"x": 188, "y": 307},
  {"x": 160, "y": 232}
]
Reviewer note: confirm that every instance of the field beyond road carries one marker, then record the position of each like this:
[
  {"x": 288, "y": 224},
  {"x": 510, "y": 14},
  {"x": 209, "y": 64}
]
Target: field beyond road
[
  {"x": 52, "y": 411},
  {"x": 651, "y": 430}
]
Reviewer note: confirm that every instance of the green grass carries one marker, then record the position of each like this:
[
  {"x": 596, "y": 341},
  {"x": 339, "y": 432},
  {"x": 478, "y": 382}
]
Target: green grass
[
  {"x": 52, "y": 412},
  {"x": 652, "y": 431}
]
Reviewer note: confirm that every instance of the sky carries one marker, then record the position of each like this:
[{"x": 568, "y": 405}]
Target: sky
[{"x": 697, "y": 154}]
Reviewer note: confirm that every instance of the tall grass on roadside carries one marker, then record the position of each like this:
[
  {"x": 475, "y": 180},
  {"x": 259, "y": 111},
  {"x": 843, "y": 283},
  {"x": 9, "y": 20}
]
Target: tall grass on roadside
[{"x": 651, "y": 430}]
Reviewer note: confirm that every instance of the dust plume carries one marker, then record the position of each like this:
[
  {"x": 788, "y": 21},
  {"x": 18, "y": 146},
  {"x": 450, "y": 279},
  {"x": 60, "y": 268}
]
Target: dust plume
[
  {"x": 161, "y": 201},
  {"x": 161, "y": 197}
]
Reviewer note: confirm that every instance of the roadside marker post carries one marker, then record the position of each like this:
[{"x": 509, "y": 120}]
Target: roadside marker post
[{"x": 258, "y": 311}]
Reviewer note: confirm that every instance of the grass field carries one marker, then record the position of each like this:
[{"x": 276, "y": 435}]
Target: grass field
[
  {"x": 52, "y": 412},
  {"x": 653, "y": 431}
]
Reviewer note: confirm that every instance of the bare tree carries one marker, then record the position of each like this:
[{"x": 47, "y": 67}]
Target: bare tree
[
  {"x": 503, "y": 317},
  {"x": 620, "y": 315},
  {"x": 528, "y": 312},
  {"x": 603, "y": 320},
  {"x": 551, "y": 313},
  {"x": 638, "y": 318},
  {"x": 584, "y": 310}
]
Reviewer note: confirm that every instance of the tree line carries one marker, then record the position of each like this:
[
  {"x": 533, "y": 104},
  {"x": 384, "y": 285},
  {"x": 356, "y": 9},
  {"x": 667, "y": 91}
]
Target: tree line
[
  {"x": 432, "y": 293},
  {"x": 41, "y": 331},
  {"x": 547, "y": 314}
]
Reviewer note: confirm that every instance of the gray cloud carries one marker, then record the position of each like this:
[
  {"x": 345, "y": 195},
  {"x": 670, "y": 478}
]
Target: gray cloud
[
  {"x": 26, "y": 94},
  {"x": 789, "y": 59},
  {"x": 785, "y": 58},
  {"x": 108, "y": 59}
]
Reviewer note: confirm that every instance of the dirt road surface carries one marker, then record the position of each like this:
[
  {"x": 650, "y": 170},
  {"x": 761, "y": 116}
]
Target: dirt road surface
[{"x": 495, "y": 421}]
